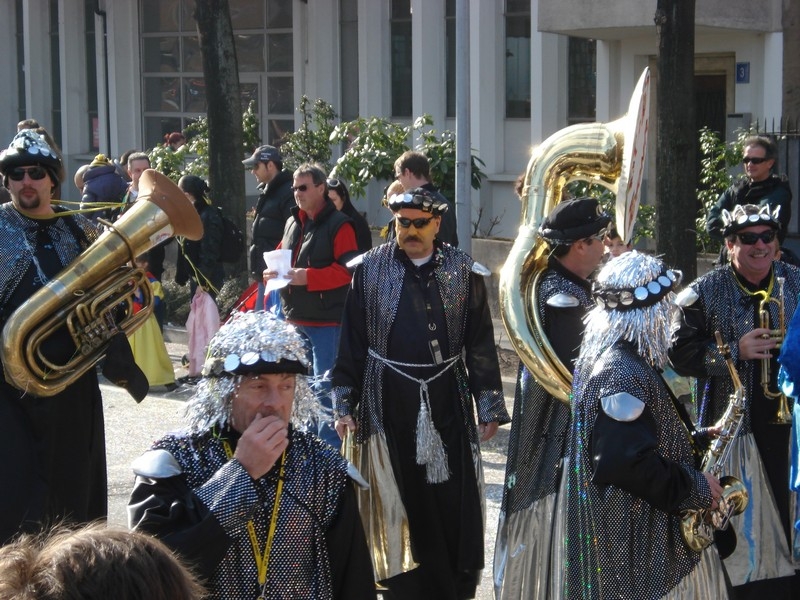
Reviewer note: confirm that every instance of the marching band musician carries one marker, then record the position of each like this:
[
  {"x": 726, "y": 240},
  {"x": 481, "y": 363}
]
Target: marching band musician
[
  {"x": 52, "y": 450},
  {"x": 630, "y": 469},
  {"x": 524, "y": 564},
  {"x": 729, "y": 300}
]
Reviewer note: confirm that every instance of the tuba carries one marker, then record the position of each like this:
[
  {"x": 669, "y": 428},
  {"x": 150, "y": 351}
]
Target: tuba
[
  {"x": 612, "y": 155},
  {"x": 92, "y": 298}
]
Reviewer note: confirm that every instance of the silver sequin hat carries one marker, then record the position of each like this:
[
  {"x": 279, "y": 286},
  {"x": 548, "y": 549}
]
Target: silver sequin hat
[
  {"x": 29, "y": 148},
  {"x": 635, "y": 303},
  {"x": 251, "y": 343},
  {"x": 420, "y": 199},
  {"x": 749, "y": 215}
]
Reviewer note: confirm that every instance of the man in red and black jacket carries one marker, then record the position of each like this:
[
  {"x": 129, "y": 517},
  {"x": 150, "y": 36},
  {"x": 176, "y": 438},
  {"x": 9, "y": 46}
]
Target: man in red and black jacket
[{"x": 322, "y": 240}]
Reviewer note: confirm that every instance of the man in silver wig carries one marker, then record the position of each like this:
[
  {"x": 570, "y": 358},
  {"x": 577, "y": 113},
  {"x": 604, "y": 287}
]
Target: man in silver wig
[
  {"x": 260, "y": 508},
  {"x": 730, "y": 300},
  {"x": 631, "y": 468}
]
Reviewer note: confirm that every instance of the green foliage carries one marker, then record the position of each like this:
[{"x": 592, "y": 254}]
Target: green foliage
[
  {"x": 717, "y": 159},
  {"x": 177, "y": 300},
  {"x": 311, "y": 141},
  {"x": 371, "y": 145},
  {"x": 645, "y": 219},
  {"x": 192, "y": 157}
]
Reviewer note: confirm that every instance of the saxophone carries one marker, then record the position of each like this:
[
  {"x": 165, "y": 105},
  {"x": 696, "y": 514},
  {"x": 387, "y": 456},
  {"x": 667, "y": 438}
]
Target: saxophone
[{"x": 698, "y": 526}]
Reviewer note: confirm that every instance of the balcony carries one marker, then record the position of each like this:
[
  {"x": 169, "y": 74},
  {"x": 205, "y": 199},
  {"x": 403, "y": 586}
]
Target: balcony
[{"x": 620, "y": 19}]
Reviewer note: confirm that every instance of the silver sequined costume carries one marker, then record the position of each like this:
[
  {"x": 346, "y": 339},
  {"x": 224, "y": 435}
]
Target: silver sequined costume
[
  {"x": 630, "y": 468},
  {"x": 19, "y": 236},
  {"x": 53, "y": 448},
  {"x": 527, "y": 551},
  {"x": 393, "y": 311},
  {"x": 717, "y": 302},
  {"x": 198, "y": 501},
  {"x": 617, "y": 545}
]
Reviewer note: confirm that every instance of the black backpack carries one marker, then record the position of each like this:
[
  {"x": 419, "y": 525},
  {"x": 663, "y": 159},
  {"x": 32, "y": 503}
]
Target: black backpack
[{"x": 232, "y": 240}]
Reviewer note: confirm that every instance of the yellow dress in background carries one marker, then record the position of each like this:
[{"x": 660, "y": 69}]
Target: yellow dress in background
[{"x": 149, "y": 350}]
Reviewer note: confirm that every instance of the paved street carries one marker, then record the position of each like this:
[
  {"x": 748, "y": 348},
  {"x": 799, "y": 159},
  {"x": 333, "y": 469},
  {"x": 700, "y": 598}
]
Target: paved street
[{"x": 131, "y": 428}]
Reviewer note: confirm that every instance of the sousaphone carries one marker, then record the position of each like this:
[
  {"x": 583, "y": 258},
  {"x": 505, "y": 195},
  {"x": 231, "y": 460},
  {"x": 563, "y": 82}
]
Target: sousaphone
[
  {"x": 612, "y": 155},
  {"x": 92, "y": 298}
]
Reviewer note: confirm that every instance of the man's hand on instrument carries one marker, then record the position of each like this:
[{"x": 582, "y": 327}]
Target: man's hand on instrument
[{"x": 756, "y": 344}]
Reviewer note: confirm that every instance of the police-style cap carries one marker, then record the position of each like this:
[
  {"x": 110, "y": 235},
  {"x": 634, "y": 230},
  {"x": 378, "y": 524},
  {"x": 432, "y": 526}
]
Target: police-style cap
[
  {"x": 420, "y": 199},
  {"x": 573, "y": 220},
  {"x": 263, "y": 154}
]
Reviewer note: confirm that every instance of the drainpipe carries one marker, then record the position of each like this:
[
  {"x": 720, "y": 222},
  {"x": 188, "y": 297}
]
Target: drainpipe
[{"x": 107, "y": 93}]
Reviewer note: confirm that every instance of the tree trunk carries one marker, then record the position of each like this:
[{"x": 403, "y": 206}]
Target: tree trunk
[
  {"x": 221, "y": 72},
  {"x": 791, "y": 61},
  {"x": 676, "y": 177}
]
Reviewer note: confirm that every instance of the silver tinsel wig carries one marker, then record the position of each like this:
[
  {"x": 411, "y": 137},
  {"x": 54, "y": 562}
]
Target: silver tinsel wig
[
  {"x": 635, "y": 296},
  {"x": 251, "y": 343}
]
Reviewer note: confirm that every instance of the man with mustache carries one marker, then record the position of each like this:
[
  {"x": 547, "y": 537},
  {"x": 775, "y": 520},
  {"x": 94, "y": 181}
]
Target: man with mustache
[
  {"x": 260, "y": 508},
  {"x": 416, "y": 362},
  {"x": 52, "y": 450},
  {"x": 728, "y": 300}
]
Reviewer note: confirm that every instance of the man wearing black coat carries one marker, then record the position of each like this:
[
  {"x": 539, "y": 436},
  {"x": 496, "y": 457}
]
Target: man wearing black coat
[{"x": 273, "y": 209}]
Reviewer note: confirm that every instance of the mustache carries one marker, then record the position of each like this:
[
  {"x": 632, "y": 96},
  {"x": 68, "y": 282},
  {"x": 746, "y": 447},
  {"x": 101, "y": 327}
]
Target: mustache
[{"x": 411, "y": 238}]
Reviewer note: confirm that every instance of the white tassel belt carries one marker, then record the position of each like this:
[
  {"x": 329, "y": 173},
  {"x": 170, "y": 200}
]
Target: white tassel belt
[{"x": 430, "y": 448}]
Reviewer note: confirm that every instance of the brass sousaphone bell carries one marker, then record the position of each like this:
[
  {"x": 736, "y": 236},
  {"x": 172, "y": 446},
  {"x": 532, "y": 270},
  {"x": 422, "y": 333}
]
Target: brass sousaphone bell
[
  {"x": 612, "y": 155},
  {"x": 93, "y": 297}
]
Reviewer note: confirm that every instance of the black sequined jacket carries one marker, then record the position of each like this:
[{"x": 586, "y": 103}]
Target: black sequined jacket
[
  {"x": 190, "y": 494},
  {"x": 71, "y": 235},
  {"x": 715, "y": 302},
  {"x": 631, "y": 473},
  {"x": 369, "y": 318}
]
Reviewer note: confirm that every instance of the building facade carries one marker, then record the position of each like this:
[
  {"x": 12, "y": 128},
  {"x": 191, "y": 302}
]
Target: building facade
[{"x": 108, "y": 76}]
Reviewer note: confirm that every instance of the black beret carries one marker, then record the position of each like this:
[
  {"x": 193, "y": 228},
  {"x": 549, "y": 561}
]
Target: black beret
[{"x": 573, "y": 220}]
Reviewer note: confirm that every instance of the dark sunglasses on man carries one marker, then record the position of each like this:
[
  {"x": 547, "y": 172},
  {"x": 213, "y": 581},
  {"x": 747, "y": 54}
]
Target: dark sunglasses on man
[
  {"x": 420, "y": 223},
  {"x": 18, "y": 173},
  {"x": 756, "y": 160},
  {"x": 749, "y": 238}
]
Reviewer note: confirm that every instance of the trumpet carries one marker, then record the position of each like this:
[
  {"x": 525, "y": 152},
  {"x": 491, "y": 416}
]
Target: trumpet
[{"x": 783, "y": 416}]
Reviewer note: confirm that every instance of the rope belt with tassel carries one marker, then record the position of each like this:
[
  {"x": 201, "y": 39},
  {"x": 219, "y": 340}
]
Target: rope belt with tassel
[{"x": 430, "y": 448}]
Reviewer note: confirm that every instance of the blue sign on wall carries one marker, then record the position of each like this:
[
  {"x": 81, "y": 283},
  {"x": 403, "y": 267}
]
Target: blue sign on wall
[{"x": 743, "y": 72}]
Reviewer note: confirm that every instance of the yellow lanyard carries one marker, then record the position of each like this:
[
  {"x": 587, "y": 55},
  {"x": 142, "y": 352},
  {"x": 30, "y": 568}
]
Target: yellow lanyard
[
  {"x": 262, "y": 560},
  {"x": 764, "y": 294}
]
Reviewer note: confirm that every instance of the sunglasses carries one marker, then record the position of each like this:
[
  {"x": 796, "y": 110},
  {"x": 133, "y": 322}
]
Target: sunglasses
[
  {"x": 333, "y": 183},
  {"x": 420, "y": 223},
  {"x": 753, "y": 159},
  {"x": 18, "y": 173},
  {"x": 748, "y": 238},
  {"x": 599, "y": 236},
  {"x": 303, "y": 187}
]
